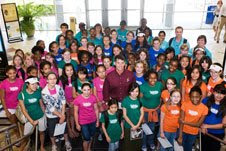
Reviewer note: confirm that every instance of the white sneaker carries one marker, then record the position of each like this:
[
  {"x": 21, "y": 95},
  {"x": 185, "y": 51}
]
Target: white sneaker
[
  {"x": 54, "y": 148},
  {"x": 144, "y": 149},
  {"x": 152, "y": 147},
  {"x": 57, "y": 140},
  {"x": 68, "y": 146}
]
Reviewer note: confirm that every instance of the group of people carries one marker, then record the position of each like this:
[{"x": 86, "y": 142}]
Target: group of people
[{"x": 111, "y": 83}]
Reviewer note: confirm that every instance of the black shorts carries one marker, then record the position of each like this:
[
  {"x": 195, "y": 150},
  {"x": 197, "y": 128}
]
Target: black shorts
[{"x": 51, "y": 123}]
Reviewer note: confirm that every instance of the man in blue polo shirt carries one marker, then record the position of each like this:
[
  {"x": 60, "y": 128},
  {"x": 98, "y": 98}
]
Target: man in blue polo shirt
[{"x": 177, "y": 41}]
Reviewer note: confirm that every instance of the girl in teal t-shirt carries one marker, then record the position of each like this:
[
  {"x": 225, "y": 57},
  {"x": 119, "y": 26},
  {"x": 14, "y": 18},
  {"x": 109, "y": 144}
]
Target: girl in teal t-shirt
[
  {"x": 150, "y": 98},
  {"x": 112, "y": 125},
  {"x": 33, "y": 109},
  {"x": 133, "y": 114}
]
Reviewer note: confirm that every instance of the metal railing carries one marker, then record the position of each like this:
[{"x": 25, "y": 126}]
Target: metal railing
[{"x": 9, "y": 144}]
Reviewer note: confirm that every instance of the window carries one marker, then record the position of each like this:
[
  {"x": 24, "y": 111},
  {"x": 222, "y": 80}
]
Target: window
[{"x": 114, "y": 12}]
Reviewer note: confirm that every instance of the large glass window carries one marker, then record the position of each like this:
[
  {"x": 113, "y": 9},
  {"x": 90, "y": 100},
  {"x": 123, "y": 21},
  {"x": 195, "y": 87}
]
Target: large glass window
[
  {"x": 133, "y": 13},
  {"x": 114, "y": 12}
]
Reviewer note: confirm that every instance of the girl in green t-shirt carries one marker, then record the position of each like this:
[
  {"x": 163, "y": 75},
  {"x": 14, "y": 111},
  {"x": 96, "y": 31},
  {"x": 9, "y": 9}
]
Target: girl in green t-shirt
[
  {"x": 133, "y": 114},
  {"x": 112, "y": 125},
  {"x": 151, "y": 100},
  {"x": 33, "y": 109}
]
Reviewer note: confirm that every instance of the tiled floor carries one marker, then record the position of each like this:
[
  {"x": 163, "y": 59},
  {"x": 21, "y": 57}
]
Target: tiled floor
[{"x": 218, "y": 50}]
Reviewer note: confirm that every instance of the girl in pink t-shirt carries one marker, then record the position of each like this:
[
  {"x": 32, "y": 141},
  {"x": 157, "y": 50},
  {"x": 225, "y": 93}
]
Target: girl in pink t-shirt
[
  {"x": 67, "y": 81},
  {"x": 107, "y": 63},
  {"x": 50, "y": 57},
  {"x": 98, "y": 55},
  {"x": 98, "y": 84},
  {"x": 45, "y": 68},
  {"x": 86, "y": 115},
  {"x": 9, "y": 91}
]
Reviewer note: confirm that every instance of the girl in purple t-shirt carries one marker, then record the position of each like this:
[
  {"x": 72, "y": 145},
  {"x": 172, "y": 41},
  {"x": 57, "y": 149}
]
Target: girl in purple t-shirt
[
  {"x": 67, "y": 81},
  {"x": 86, "y": 115},
  {"x": 9, "y": 91}
]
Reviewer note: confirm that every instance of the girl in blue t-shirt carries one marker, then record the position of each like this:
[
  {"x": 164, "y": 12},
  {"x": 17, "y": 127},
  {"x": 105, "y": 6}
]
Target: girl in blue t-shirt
[
  {"x": 215, "y": 120},
  {"x": 84, "y": 59},
  {"x": 54, "y": 49},
  {"x": 62, "y": 43},
  {"x": 141, "y": 42},
  {"x": 140, "y": 70},
  {"x": 107, "y": 46},
  {"x": 154, "y": 51}
]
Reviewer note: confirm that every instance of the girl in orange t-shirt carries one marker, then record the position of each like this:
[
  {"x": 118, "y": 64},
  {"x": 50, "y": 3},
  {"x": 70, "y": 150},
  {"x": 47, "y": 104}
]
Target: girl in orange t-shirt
[
  {"x": 215, "y": 73},
  {"x": 74, "y": 51},
  {"x": 192, "y": 116},
  {"x": 170, "y": 113},
  {"x": 185, "y": 65},
  {"x": 194, "y": 78},
  {"x": 171, "y": 84}
]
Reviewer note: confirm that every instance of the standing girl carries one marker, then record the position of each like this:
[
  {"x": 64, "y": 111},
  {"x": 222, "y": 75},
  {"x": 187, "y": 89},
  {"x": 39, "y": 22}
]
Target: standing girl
[
  {"x": 84, "y": 42},
  {"x": 82, "y": 77},
  {"x": 107, "y": 46},
  {"x": 140, "y": 70},
  {"x": 184, "y": 65},
  {"x": 194, "y": 78},
  {"x": 66, "y": 54},
  {"x": 141, "y": 42},
  {"x": 84, "y": 59},
  {"x": 98, "y": 55},
  {"x": 49, "y": 57},
  {"x": 54, "y": 49},
  {"x": 151, "y": 100},
  {"x": 62, "y": 43},
  {"x": 215, "y": 120},
  {"x": 19, "y": 63},
  {"x": 170, "y": 86},
  {"x": 215, "y": 72},
  {"x": 169, "y": 121},
  {"x": 129, "y": 39},
  {"x": 55, "y": 103},
  {"x": 32, "y": 107},
  {"x": 112, "y": 125},
  {"x": 143, "y": 56},
  {"x": 86, "y": 115},
  {"x": 74, "y": 50},
  {"x": 154, "y": 51},
  {"x": 9, "y": 90},
  {"x": 45, "y": 68},
  {"x": 67, "y": 81},
  {"x": 192, "y": 115},
  {"x": 205, "y": 64},
  {"x": 107, "y": 64},
  {"x": 98, "y": 84},
  {"x": 133, "y": 114}
]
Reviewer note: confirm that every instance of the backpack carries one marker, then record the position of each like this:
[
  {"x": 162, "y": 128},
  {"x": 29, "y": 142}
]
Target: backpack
[
  {"x": 171, "y": 40},
  {"x": 106, "y": 117}
]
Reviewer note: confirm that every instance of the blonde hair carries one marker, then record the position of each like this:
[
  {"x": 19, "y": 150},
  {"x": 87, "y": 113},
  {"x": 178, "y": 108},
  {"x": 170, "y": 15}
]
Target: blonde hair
[
  {"x": 184, "y": 47},
  {"x": 145, "y": 65}
]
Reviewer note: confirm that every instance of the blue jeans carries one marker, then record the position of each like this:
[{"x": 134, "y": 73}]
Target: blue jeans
[
  {"x": 187, "y": 141},
  {"x": 88, "y": 131},
  {"x": 171, "y": 137},
  {"x": 149, "y": 139},
  {"x": 113, "y": 146}
]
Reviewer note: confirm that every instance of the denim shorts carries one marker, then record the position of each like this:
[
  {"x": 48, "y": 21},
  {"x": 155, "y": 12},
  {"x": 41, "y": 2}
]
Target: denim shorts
[{"x": 88, "y": 131}]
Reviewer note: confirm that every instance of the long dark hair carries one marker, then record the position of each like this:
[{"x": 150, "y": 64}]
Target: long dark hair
[
  {"x": 189, "y": 65},
  {"x": 220, "y": 88},
  {"x": 199, "y": 80},
  {"x": 95, "y": 54},
  {"x": 64, "y": 77}
]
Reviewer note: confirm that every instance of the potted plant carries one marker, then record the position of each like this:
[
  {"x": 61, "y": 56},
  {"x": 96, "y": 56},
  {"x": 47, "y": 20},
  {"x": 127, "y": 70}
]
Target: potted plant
[{"x": 28, "y": 13}]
